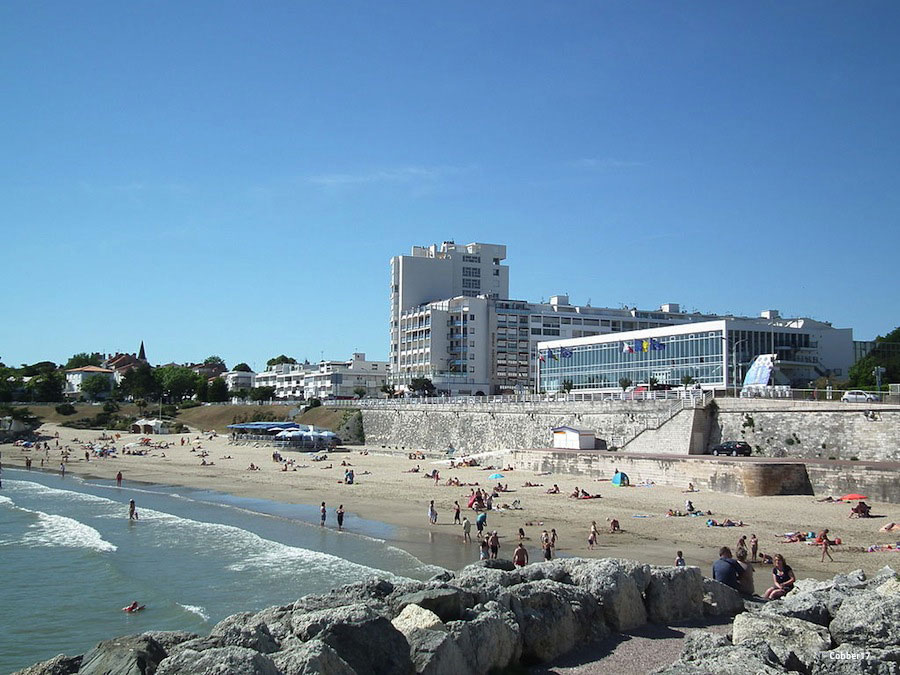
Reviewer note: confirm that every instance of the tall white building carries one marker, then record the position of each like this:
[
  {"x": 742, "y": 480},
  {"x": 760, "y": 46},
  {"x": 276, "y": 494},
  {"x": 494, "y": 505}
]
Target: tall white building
[{"x": 440, "y": 272}]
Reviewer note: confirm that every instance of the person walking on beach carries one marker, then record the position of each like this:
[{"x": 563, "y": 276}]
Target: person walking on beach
[
  {"x": 132, "y": 510},
  {"x": 62, "y": 469},
  {"x": 119, "y": 479},
  {"x": 467, "y": 529},
  {"x": 520, "y": 555},
  {"x": 494, "y": 543},
  {"x": 480, "y": 522},
  {"x": 485, "y": 551},
  {"x": 754, "y": 547},
  {"x": 432, "y": 513},
  {"x": 322, "y": 513},
  {"x": 340, "y": 516},
  {"x": 548, "y": 551},
  {"x": 592, "y": 537},
  {"x": 553, "y": 537},
  {"x": 456, "y": 510}
]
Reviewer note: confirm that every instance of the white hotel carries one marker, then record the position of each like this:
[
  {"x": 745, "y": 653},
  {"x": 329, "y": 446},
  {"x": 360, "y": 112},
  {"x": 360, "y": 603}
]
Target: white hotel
[
  {"x": 326, "y": 379},
  {"x": 452, "y": 322}
]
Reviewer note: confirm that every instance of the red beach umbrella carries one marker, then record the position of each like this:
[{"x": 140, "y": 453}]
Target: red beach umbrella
[{"x": 852, "y": 498}]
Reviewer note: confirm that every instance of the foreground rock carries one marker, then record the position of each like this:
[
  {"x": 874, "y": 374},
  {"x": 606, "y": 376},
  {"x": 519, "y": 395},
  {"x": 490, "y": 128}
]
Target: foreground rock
[{"x": 492, "y": 616}]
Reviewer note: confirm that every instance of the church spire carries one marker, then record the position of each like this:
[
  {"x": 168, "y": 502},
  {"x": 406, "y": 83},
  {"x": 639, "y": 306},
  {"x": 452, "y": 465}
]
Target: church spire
[{"x": 141, "y": 355}]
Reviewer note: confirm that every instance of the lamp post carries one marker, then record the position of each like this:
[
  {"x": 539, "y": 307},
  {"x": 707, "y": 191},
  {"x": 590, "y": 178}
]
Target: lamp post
[{"x": 734, "y": 362}]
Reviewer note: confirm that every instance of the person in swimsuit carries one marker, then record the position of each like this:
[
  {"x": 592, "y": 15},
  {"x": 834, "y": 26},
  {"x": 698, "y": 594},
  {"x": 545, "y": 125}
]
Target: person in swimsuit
[
  {"x": 340, "y": 516},
  {"x": 783, "y": 578},
  {"x": 520, "y": 555},
  {"x": 323, "y": 513}
]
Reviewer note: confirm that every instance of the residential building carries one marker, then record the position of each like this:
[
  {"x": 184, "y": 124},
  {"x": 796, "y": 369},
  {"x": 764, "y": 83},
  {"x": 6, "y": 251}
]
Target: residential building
[
  {"x": 286, "y": 378},
  {"x": 122, "y": 363},
  {"x": 75, "y": 378},
  {"x": 208, "y": 370},
  {"x": 239, "y": 379},
  {"x": 340, "y": 379}
]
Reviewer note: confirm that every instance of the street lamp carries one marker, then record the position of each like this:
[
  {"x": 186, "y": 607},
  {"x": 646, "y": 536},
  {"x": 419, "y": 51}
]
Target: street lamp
[{"x": 734, "y": 362}]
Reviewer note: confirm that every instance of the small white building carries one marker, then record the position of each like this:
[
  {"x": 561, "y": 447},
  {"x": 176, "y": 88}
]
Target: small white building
[
  {"x": 573, "y": 438},
  {"x": 148, "y": 426},
  {"x": 76, "y": 377},
  {"x": 239, "y": 379}
]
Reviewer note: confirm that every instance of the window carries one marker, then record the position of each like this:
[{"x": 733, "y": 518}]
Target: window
[
  {"x": 535, "y": 319},
  {"x": 496, "y": 273},
  {"x": 472, "y": 258},
  {"x": 471, "y": 271},
  {"x": 535, "y": 331},
  {"x": 471, "y": 317},
  {"x": 566, "y": 320},
  {"x": 471, "y": 283}
]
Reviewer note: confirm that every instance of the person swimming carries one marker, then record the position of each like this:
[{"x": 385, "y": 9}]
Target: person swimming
[{"x": 133, "y": 607}]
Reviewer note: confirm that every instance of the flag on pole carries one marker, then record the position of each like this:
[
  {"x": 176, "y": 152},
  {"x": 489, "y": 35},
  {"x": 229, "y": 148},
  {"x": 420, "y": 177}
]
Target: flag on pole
[
  {"x": 645, "y": 345},
  {"x": 565, "y": 353},
  {"x": 627, "y": 348},
  {"x": 552, "y": 355},
  {"x": 655, "y": 345},
  {"x": 638, "y": 346},
  {"x": 541, "y": 357}
]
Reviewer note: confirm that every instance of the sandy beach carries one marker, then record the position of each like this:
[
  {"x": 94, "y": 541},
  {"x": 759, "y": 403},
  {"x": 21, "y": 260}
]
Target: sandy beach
[{"x": 389, "y": 493}]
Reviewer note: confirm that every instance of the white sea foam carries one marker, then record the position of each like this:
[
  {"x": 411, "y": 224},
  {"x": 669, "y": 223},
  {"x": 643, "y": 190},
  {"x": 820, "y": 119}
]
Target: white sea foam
[
  {"x": 53, "y": 530},
  {"x": 6, "y": 501},
  {"x": 195, "y": 609}
]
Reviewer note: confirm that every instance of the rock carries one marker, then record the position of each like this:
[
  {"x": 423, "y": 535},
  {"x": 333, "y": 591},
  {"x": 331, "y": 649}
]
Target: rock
[
  {"x": 553, "y": 618},
  {"x": 218, "y": 661},
  {"x": 812, "y": 606},
  {"x": 555, "y": 570},
  {"x": 447, "y": 603},
  {"x": 794, "y": 642},
  {"x": 867, "y": 618},
  {"x": 485, "y": 584},
  {"x": 618, "y": 585},
  {"x": 493, "y": 564},
  {"x": 849, "y": 659},
  {"x": 168, "y": 639},
  {"x": 58, "y": 665},
  {"x": 244, "y": 630},
  {"x": 704, "y": 653},
  {"x": 889, "y": 588},
  {"x": 312, "y": 658},
  {"x": 373, "y": 593},
  {"x": 129, "y": 655},
  {"x": 435, "y": 652},
  {"x": 720, "y": 600},
  {"x": 363, "y": 638},
  {"x": 278, "y": 620},
  {"x": 674, "y": 594},
  {"x": 490, "y": 639},
  {"x": 444, "y": 576},
  {"x": 414, "y": 617}
]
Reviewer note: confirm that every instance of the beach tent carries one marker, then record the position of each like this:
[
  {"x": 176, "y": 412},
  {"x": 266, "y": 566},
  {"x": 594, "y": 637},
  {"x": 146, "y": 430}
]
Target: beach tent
[{"x": 620, "y": 479}]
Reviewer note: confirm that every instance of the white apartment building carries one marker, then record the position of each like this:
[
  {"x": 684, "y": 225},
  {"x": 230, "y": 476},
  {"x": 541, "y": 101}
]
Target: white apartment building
[
  {"x": 239, "y": 379},
  {"x": 287, "y": 378},
  {"x": 440, "y": 272},
  {"x": 339, "y": 379},
  {"x": 75, "y": 378}
]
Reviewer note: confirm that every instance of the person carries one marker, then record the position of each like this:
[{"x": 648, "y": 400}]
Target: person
[
  {"x": 689, "y": 506},
  {"x": 861, "y": 510},
  {"x": 745, "y": 580},
  {"x": 132, "y": 510},
  {"x": 322, "y": 514},
  {"x": 494, "y": 543},
  {"x": 467, "y": 529},
  {"x": 679, "y": 559},
  {"x": 690, "y": 487},
  {"x": 754, "y": 547},
  {"x": 554, "y": 490},
  {"x": 782, "y": 577},
  {"x": 340, "y": 516},
  {"x": 485, "y": 550},
  {"x": 553, "y": 537},
  {"x": 432, "y": 513},
  {"x": 741, "y": 546},
  {"x": 119, "y": 479},
  {"x": 480, "y": 522},
  {"x": 548, "y": 551},
  {"x": 62, "y": 469},
  {"x": 456, "y": 514},
  {"x": 592, "y": 537},
  {"x": 614, "y": 526},
  {"x": 825, "y": 543},
  {"x": 133, "y": 607},
  {"x": 520, "y": 555},
  {"x": 726, "y": 570}
]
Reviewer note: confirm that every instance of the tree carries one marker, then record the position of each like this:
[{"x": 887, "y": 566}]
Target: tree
[
  {"x": 218, "y": 390},
  {"x": 39, "y": 368},
  {"x": 82, "y": 359},
  {"x": 624, "y": 382},
  {"x": 280, "y": 359},
  {"x": 141, "y": 404},
  {"x": 389, "y": 389},
  {"x": 883, "y": 355},
  {"x": 652, "y": 382},
  {"x": 176, "y": 382},
  {"x": 422, "y": 386},
  {"x": 687, "y": 381},
  {"x": 202, "y": 389},
  {"x": 9, "y": 384},
  {"x": 262, "y": 393},
  {"x": 47, "y": 387},
  {"x": 139, "y": 382},
  {"x": 359, "y": 391},
  {"x": 567, "y": 386},
  {"x": 95, "y": 386},
  {"x": 243, "y": 368},
  {"x": 214, "y": 361}
]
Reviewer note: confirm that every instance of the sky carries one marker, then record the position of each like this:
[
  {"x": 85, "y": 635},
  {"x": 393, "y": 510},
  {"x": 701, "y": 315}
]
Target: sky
[{"x": 232, "y": 178}]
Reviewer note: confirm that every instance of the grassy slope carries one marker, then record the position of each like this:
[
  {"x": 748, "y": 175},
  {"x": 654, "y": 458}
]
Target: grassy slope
[
  {"x": 47, "y": 413},
  {"x": 325, "y": 417},
  {"x": 218, "y": 417}
]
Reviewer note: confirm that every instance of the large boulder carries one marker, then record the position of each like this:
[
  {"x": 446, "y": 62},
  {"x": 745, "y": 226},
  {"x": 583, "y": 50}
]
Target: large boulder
[
  {"x": 447, "y": 603},
  {"x": 168, "y": 639},
  {"x": 553, "y": 618},
  {"x": 849, "y": 659},
  {"x": 414, "y": 617},
  {"x": 311, "y": 658},
  {"x": 704, "y": 653},
  {"x": 58, "y": 665},
  {"x": 812, "y": 606},
  {"x": 129, "y": 655},
  {"x": 720, "y": 600},
  {"x": 868, "y": 618},
  {"x": 674, "y": 594},
  {"x": 493, "y": 564},
  {"x": 489, "y": 638},
  {"x": 795, "y": 643},
  {"x": 244, "y": 630},
  {"x": 618, "y": 585},
  {"x": 555, "y": 570},
  {"x": 435, "y": 652},
  {"x": 485, "y": 584},
  {"x": 218, "y": 661}
]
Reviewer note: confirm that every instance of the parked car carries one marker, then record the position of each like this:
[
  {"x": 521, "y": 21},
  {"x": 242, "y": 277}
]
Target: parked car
[
  {"x": 859, "y": 396},
  {"x": 733, "y": 448}
]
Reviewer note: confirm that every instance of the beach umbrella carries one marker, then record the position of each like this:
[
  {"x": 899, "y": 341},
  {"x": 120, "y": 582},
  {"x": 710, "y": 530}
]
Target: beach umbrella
[
  {"x": 495, "y": 476},
  {"x": 852, "y": 498}
]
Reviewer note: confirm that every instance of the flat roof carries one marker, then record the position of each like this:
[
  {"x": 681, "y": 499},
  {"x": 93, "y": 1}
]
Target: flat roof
[{"x": 265, "y": 426}]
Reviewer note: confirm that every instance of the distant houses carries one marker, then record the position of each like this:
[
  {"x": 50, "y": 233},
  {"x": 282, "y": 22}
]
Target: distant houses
[{"x": 76, "y": 377}]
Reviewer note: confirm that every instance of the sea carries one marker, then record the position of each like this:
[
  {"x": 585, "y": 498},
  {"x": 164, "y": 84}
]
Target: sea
[{"x": 70, "y": 559}]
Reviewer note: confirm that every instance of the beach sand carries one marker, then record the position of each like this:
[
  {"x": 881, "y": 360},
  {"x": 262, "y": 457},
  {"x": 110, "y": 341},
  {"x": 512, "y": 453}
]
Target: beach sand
[{"x": 391, "y": 495}]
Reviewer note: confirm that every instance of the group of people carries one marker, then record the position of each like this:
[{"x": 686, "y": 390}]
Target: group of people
[{"x": 738, "y": 573}]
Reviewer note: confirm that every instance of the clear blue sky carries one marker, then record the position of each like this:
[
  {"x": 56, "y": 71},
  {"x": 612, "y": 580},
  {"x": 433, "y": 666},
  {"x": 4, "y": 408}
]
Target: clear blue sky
[{"x": 232, "y": 178}]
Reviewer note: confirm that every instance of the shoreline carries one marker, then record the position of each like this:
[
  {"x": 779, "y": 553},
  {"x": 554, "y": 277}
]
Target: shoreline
[{"x": 390, "y": 494}]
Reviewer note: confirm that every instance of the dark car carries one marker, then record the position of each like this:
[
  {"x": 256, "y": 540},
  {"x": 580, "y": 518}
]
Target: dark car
[{"x": 733, "y": 448}]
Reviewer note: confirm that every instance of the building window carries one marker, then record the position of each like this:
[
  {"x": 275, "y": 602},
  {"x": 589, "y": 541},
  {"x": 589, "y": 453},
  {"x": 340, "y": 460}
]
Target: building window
[
  {"x": 472, "y": 258},
  {"x": 496, "y": 273},
  {"x": 471, "y": 283},
  {"x": 471, "y": 271}
]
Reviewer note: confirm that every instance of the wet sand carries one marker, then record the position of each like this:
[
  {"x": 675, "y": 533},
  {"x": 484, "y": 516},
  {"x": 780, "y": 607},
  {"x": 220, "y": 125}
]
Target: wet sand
[{"x": 392, "y": 495}]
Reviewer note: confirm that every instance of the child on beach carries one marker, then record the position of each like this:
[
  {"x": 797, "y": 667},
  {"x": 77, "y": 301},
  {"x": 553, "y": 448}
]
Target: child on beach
[
  {"x": 432, "y": 513},
  {"x": 679, "y": 559},
  {"x": 485, "y": 550}
]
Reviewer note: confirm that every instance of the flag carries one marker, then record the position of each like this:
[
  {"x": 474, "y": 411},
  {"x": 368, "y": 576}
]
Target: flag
[
  {"x": 552, "y": 355},
  {"x": 645, "y": 345},
  {"x": 655, "y": 345},
  {"x": 565, "y": 353},
  {"x": 637, "y": 346},
  {"x": 627, "y": 348},
  {"x": 541, "y": 357}
]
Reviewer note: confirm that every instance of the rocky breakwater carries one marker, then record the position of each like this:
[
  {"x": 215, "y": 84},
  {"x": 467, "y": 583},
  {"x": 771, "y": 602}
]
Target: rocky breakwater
[
  {"x": 849, "y": 625},
  {"x": 487, "y": 617}
]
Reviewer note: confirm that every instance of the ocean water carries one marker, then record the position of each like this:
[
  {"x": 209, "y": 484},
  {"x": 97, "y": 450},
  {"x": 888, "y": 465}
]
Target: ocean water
[{"x": 70, "y": 560}]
